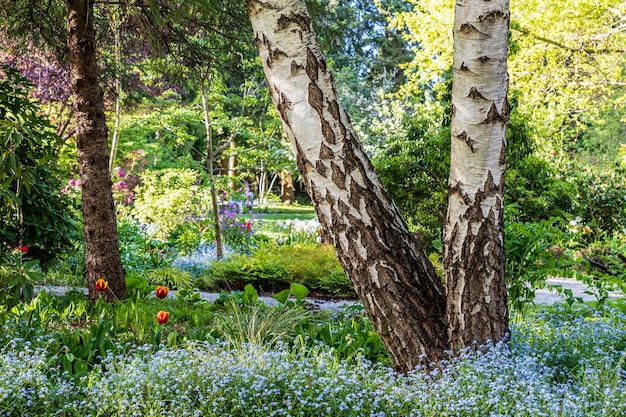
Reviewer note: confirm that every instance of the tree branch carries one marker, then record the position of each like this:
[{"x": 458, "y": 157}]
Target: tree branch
[{"x": 561, "y": 45}]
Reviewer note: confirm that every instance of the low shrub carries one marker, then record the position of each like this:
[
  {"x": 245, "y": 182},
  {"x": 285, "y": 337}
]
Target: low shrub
[{"x": 273, "y": 267}]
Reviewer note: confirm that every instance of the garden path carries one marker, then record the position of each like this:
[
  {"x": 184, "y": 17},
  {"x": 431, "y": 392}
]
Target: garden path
[{"x": 542, "y": 296}]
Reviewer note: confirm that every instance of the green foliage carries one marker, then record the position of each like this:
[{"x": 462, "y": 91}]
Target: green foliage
[
  {"x": 169, "y": 136},
  {"x": 167, "y": 198},
  {"x": 534, "y": 252},
  {"x": 538, "y": 189},
  {"x": 139, "y": 250},
  {"x": 17, "y": 280},
  {"x": 32, "y": 210},
  {"x": 169, "y": 277},
  {"x": 298, "y": 291},
  {"x": 600, "y": 198},
  {"x": 414, "y": 171},
  {"x": 273, "y": 267},
  {"x": 257, "y": 324},
  {"x": 348, "y": 334}
]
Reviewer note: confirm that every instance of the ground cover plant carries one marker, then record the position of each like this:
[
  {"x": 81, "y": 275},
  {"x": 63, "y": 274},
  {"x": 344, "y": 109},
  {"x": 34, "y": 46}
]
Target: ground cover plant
[{"x": 62, "y": 357}]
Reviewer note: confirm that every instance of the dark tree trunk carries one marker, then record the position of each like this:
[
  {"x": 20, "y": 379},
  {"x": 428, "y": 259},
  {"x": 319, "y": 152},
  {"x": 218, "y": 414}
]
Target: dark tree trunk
[{"x": 102, "y": 253}]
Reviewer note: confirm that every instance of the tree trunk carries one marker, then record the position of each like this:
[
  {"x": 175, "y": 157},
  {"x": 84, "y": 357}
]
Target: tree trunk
[
  {"x": 474, "y": 230},
  {"x": 210, "y": 160},
  {"x": 118, "y": 91},
  {"x": 102, "y": 253},
  {"x": 396, "y": 282},
  {"x": 287, "y": 192}
]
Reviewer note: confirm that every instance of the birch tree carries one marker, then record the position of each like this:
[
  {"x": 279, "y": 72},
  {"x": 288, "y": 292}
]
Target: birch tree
[
  {"x": 474, "y": 229},
  {"x": 396, "y": 282}
]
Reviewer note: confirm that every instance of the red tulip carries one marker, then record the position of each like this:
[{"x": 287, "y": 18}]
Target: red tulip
[
  {"x": 101, "y": 285},
  {"x": 21, "y": 248},
  {"x": 161, "y": 291},
  {"x": 163, "y": 317}
]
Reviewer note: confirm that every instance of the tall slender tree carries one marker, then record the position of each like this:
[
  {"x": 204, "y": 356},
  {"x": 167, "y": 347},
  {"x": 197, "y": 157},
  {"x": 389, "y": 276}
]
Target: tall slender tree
[
  {"x": 396, "y": 282},
  {"x": 101, "y": 240}
]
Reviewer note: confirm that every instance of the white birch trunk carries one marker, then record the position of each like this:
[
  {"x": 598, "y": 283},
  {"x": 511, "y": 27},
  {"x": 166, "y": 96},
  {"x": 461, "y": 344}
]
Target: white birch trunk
[
  {"x": 395, "y": 280},
  {"x": 474, "y": 230}
]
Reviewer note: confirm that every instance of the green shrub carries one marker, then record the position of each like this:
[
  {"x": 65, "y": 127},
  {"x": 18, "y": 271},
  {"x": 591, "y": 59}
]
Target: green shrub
[
  {"x": 168, "y": 198},
  {"x": 33, "y": 211},
  {"x": 534, "y": 251},
  {"x": 273, "y": 267}
]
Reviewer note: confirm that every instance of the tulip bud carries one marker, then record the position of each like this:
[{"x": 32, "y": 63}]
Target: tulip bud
[
  {"x": 163, "y": 317},
  {"x": 161, "y": 291},
  {"x": 101, "y": 285}
]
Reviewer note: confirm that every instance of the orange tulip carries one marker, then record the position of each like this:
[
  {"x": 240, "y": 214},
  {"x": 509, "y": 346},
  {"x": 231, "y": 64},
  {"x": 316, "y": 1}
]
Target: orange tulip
[
  {"x": 101, "y": 285},
  {"x": 161, "y": 291},
  {"x": 163, "y": 317}
]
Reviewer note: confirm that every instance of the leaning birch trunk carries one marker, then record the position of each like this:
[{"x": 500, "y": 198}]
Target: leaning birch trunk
[
  {"x": 404, "y": 298},
  {"x": 474, "y": 231}
]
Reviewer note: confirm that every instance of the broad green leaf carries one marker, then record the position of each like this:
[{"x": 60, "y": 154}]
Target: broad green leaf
[
  {"x": 282, "y": 296},
  {"x": 299, "y": 291}
]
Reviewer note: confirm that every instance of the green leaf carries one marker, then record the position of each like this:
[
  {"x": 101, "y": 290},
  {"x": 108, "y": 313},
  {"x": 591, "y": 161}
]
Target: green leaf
[
  {"x": 171, "y": 339},
  {"x": 250, "y": 294},
  {"x": 66, "y": 363},
  {"x": 299, "y": 291},
  {"x": 81, "y": 367},
  {"x": 282, "y": 296}
]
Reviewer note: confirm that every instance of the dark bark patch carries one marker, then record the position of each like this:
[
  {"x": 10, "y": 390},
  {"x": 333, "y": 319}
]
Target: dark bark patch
[
  {"x": 464, "y": 67},
  {"x": 326, "y": 153},
  {"x": 273, "y": 53},
  {"x": 303, "y": 21},
  {"x": 312, "y": 66},
  {"x": 315, "y": 98},
  {"x": 467, "y": 139},
  {"x": 502, "y": 156},
  {"x": 296, "y": 68},
  {"x": 282, "y": 105},
  {"x": 320, "y": 168},
  {"x": 493, "y": 116},
  {"x": 327, "y": 131},
  {"x": 506, "y": 109},
  {"x": 492, "y": 16},
  {"x": 304, "y": 166},
  {"x": 468, "y": 29},
  {"x": 334, "y": 109},
  {"x": 337, "y": 175},
  {"x": 331, "y": 200},
  {"x": 343, "y": 208},
  {"x": 474, "y": 94},
  {"x": 456, "y": 189},
  {"x": 355, "y": 198},
  {"x": 484, "y": 59}
]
